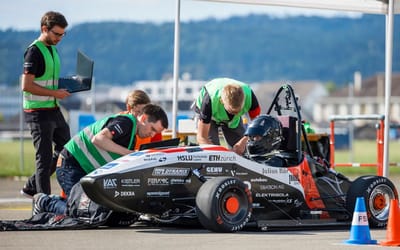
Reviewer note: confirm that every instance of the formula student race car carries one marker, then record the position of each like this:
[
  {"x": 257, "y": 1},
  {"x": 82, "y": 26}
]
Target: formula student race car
[{"x": 213, "y": 187}]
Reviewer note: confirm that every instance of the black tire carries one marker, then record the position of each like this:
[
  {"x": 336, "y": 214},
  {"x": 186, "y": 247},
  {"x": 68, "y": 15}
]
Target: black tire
[
  {"x": 121, "y": 219},
  {"x": 224, "y": 204},
  {"x": 377, "y": 192}
]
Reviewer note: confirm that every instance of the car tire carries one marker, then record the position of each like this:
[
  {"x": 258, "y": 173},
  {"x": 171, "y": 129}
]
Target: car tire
[
  {"x": 224, "y": 204},
  {"x": 377, "y": 192}
]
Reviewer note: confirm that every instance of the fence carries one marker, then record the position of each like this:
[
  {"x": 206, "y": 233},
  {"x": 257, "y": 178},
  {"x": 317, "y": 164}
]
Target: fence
[{"x": 379, "y": 140}]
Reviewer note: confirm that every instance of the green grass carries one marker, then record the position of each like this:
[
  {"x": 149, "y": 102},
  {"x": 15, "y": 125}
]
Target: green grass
[
  {"x": 364, "y": 152},
  {"x": 10, "y": 161}
]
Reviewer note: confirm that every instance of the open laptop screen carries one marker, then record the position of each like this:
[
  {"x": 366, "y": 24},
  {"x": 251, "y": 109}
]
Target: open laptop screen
[{"x": 82, "y": 80}]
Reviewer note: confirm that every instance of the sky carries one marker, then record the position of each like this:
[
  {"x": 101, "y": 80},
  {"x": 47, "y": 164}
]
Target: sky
[{"x": 26, "y": 14}]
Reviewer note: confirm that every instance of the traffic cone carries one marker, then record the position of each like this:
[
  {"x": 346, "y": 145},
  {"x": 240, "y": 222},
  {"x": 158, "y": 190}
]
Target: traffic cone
[
  {"x": 359, "y": 232},
  {"x": 393, "y": 227}
]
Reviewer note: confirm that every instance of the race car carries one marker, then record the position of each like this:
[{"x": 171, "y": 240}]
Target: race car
[{"x": 213, "y": 187}]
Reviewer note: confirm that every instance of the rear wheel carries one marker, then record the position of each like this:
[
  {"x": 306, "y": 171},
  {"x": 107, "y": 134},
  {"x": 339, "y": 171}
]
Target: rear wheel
[
  {"x": 224, "y": 204},
  {"x": 377, "y": 192}
]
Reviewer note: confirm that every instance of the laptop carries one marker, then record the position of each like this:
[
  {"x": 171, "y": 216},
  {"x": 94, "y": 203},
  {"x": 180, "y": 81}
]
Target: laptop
[
  {"x": 174, "y": 142},
  {"x": 82, "y": 80}
]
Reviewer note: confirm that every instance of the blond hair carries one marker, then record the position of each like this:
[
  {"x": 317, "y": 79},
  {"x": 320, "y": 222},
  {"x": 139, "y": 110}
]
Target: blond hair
[
  {"x": 137, "y": 97},
  {"x": 232, "y": 95}
]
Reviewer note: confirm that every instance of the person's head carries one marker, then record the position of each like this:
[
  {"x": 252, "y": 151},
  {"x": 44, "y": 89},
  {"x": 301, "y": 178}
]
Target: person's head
[
  {"x": 265, "y": 135},
  {"x": 135, "y": 102},
  {"x": 153, "y": 121},
  {"x": 232, "y": 97},
  {"x": 52, "y": 26}
]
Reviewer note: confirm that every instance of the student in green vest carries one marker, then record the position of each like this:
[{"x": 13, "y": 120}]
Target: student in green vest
[
  {"x": 221, "y": 103},
  {"x": 104, "y": 141},
  {"x": 39, "y": 83}
]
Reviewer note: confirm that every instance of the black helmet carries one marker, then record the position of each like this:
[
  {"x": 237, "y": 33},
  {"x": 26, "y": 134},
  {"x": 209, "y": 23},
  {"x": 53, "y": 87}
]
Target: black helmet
[{"x": 267, "y": 127}]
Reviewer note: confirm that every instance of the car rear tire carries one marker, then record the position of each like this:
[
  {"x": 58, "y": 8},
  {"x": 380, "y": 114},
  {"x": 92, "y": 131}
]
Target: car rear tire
[
  {"x": 224, "y": 204},
  {"x": 377, "y": 192}
]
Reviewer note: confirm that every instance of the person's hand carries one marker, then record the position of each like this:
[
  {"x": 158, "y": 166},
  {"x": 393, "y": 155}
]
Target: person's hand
[
  {"x": 239, "y": 147},
  {"x": 61, "y": 93}
]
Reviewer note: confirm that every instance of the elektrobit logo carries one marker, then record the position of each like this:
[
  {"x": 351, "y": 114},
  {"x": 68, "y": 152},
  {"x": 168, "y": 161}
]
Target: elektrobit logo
[{"x": 109, "y": 183}]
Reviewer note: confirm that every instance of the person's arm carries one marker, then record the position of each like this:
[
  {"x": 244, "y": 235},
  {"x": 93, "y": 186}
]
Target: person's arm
[
  {"x": 29, "y": 85},
  {"x": 103, "y": 140},
  {"x": 255, "y": 108},
  {"x": 202, "y": 132}
]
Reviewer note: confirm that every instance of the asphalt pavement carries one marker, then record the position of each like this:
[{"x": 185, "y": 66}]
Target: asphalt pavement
[{"x": 13, "y": 206}]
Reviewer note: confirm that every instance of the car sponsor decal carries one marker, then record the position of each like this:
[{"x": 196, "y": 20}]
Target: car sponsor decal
[{"x": 171, "y": 172}]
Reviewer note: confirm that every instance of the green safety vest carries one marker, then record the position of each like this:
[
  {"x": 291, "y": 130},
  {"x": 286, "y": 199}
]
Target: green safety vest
[
  {"x": 90, "y": 156},
  {"x": 48, "y": 80},
  {"x": 219, "y": 114}
]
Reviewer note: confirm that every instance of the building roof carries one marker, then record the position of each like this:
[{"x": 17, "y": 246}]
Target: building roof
[{"x": 371, "y": 87}]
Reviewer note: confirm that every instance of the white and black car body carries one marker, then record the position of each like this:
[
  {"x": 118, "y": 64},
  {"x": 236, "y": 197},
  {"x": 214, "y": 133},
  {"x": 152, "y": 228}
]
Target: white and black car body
[{"x": 225, "y": 192}]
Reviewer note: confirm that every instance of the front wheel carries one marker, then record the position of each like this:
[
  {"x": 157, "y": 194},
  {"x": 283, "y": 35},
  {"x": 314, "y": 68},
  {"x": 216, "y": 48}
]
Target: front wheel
[
  {"x": 377, "y": 192},
  {"x": 224, "y": 204}
]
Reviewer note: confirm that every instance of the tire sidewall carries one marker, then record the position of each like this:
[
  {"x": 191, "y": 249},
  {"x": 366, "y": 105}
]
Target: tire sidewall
[
  {"x": 208, "y": 204},
  {"x": 364, "y": 186}
]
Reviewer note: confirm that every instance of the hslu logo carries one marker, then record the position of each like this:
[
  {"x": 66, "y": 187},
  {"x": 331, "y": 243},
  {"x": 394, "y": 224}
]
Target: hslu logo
[
  {"x": 109, "y": 183},
  {"x": 185, "y": 157}
]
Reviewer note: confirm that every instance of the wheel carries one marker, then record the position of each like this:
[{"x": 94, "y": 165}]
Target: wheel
[
  {"x": 121, "y": 219},
  {"x": 224, "y": 204},
  {"x": 377, "y": 192}
]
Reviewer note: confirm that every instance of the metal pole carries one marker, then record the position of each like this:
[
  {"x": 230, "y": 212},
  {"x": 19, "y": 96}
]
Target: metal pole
[
  {"x": 176, "y": 69},
  {"x": 388, "y": 83},
  {"x": 351, "y": 125},
  {"x": 21, "y": 132}
]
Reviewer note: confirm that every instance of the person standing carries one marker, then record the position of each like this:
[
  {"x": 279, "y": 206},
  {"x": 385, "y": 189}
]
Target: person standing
[
  {"x": 41, "y": 97},
  {"x": 221, "y": 104}
]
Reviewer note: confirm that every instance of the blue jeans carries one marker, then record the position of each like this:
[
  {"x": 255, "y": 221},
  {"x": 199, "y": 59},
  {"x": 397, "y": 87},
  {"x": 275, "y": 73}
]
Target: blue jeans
[
  {"x": 68, "y": 174},
  {"x": 53, "y": 204}
]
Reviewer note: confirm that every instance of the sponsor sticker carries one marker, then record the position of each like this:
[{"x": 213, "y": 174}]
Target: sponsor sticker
[
  {"x": 109, "y": 183},
  {"x": 171, "y": 172}
]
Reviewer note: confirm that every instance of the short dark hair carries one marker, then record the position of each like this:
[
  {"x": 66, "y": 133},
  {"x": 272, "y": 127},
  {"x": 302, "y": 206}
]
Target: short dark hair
[
  {"x": 52, "y": 18},
  {"x": 156, "y": 113}
]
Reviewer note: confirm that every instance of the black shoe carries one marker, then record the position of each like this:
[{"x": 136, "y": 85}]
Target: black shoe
[{"x": 28, "y": 192}]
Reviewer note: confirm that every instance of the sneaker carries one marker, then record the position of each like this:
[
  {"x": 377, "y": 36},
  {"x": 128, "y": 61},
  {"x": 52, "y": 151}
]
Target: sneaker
[
  {"x": 36, "y": 203},
  {"x": 28, "y": 192}
]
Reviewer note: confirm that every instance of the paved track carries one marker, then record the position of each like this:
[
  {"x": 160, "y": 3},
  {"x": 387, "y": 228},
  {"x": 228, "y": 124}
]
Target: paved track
[{"x": 13, "y": 206}]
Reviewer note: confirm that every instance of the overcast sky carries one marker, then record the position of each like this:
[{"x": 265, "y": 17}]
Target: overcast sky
[{"x": 26, "y": 14}]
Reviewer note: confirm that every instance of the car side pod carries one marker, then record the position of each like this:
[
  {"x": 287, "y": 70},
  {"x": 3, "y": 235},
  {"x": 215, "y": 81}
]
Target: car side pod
[
  {"x": 393, "y": 227},
  {"x": 359, "y": 232}
]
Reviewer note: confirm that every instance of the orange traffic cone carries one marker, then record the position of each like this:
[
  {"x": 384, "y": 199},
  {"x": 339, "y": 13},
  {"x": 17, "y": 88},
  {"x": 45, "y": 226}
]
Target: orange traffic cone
[
  {"x": 393, "y": 227},
  {"x": 359, "y": 232}
]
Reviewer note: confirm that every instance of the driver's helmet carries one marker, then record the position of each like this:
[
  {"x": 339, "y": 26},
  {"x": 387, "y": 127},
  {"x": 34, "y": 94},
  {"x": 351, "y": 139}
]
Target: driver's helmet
[{"x": 265, "y": 135}]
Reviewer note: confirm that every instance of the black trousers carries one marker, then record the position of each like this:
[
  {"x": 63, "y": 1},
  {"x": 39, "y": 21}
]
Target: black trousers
[{"x": 49, "y": 132}]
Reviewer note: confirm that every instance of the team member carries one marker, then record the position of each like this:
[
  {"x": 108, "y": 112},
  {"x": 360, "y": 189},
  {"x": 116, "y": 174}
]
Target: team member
[
  {"x": 41, "y": 108},
  {"x": 221, "y": 103},
  {"x": 135, "y": 101},
  {"x": 104, "y": 141}
]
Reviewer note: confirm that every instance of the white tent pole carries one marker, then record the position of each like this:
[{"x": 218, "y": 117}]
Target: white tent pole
[
  {"x": 388, "y": 82},
  {"x": 176, "y": 69}
]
